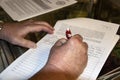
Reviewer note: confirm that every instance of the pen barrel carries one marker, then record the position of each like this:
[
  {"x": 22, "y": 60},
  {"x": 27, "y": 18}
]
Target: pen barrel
[{"x": 68, "y": 34}]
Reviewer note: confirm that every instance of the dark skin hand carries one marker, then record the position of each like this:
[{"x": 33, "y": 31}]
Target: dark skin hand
[{"x": 67, "y": 60}]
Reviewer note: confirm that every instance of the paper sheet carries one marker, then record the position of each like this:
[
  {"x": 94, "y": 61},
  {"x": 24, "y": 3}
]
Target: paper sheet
[
  {"x": 27, "y": 64},
  {"x": 25, "y": 9},
  {"x": 100, "y": 36}
]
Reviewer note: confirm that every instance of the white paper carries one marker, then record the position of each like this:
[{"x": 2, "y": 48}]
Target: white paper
[
  {"x": 25, "y": 9},
  {"x": 27, "y": 64},
  {"x": 100, "y": 36}
]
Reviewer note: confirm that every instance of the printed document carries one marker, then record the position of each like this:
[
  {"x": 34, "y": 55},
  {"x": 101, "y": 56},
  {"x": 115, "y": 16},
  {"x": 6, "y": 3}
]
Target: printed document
[
  {"x": 25, "y": 9},
  {"x": 100, "y": 36}
]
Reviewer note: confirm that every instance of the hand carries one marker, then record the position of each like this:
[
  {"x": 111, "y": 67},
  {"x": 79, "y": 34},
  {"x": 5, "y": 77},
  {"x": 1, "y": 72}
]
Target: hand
[
  {"x": 69, "y": 56},
  {"x": 67, "y": 60},
  {"x": 15, "y": 32}
]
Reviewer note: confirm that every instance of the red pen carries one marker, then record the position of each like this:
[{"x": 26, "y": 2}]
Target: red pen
[{"x": 68, "y": 33}]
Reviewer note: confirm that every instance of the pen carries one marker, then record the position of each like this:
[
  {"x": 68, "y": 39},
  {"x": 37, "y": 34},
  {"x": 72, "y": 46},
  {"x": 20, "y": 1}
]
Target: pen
[{"x": 68, "y": 33}]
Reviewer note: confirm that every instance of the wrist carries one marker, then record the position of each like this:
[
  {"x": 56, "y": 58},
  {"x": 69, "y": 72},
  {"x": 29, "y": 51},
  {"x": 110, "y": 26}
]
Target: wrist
[
  {"x": 58, "y": 73},
  {"x": 1, "y": 26},
  {"x": 69, "y": 75},
  {"x": 51, "y": 72}
]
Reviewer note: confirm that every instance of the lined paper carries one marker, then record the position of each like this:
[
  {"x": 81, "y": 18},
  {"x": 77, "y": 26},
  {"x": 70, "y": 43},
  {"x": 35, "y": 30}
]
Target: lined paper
[{"x": 27, "y": 64}]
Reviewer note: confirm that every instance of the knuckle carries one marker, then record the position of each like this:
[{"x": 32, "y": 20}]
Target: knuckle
[
  {"x": 86, "y": 45},
  {"x": 84, "y": 48},
  {"x": 14, "y": 40},
  {"x": 79, "y": 36},
  {"x": 43, "y": 22}
]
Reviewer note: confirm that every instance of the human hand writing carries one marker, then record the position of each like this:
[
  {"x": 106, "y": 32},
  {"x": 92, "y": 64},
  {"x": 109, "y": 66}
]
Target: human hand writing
[{"x": 67, "y": 60}]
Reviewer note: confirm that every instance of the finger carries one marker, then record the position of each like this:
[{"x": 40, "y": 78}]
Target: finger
[
  {"x": 85, "y": 46},
  {"x": 38, "y": 27},
  {"x": 28, "y": 21},
  {"x": 36, "y": 22},
  {"x": 60, "y": 42},
  {"x": 78, "y": 37},
  {"x": 42, "y": 22},
  {"x": 86, "y": 51},
  {"x": 75, "y": 39},
  {"x": 25, "y": 43}
]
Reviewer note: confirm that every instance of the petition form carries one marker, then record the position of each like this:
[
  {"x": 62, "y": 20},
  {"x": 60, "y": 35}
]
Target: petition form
[{"x": 100, "y": 36}]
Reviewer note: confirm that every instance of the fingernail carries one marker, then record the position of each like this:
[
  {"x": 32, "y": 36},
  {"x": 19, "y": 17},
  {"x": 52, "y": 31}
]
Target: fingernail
[
  {"x": 62, "y": 42},
  {"x": 34, "y": 46}
]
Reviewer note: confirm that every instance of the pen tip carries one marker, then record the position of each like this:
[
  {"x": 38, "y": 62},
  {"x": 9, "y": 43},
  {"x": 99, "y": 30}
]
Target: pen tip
[{"x": 68, "y": 29}]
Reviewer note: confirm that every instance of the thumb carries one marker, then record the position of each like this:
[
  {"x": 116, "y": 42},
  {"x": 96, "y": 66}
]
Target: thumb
[
  {"x": 25, "y": 43},
  {"x": 60, "y": 42}
]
